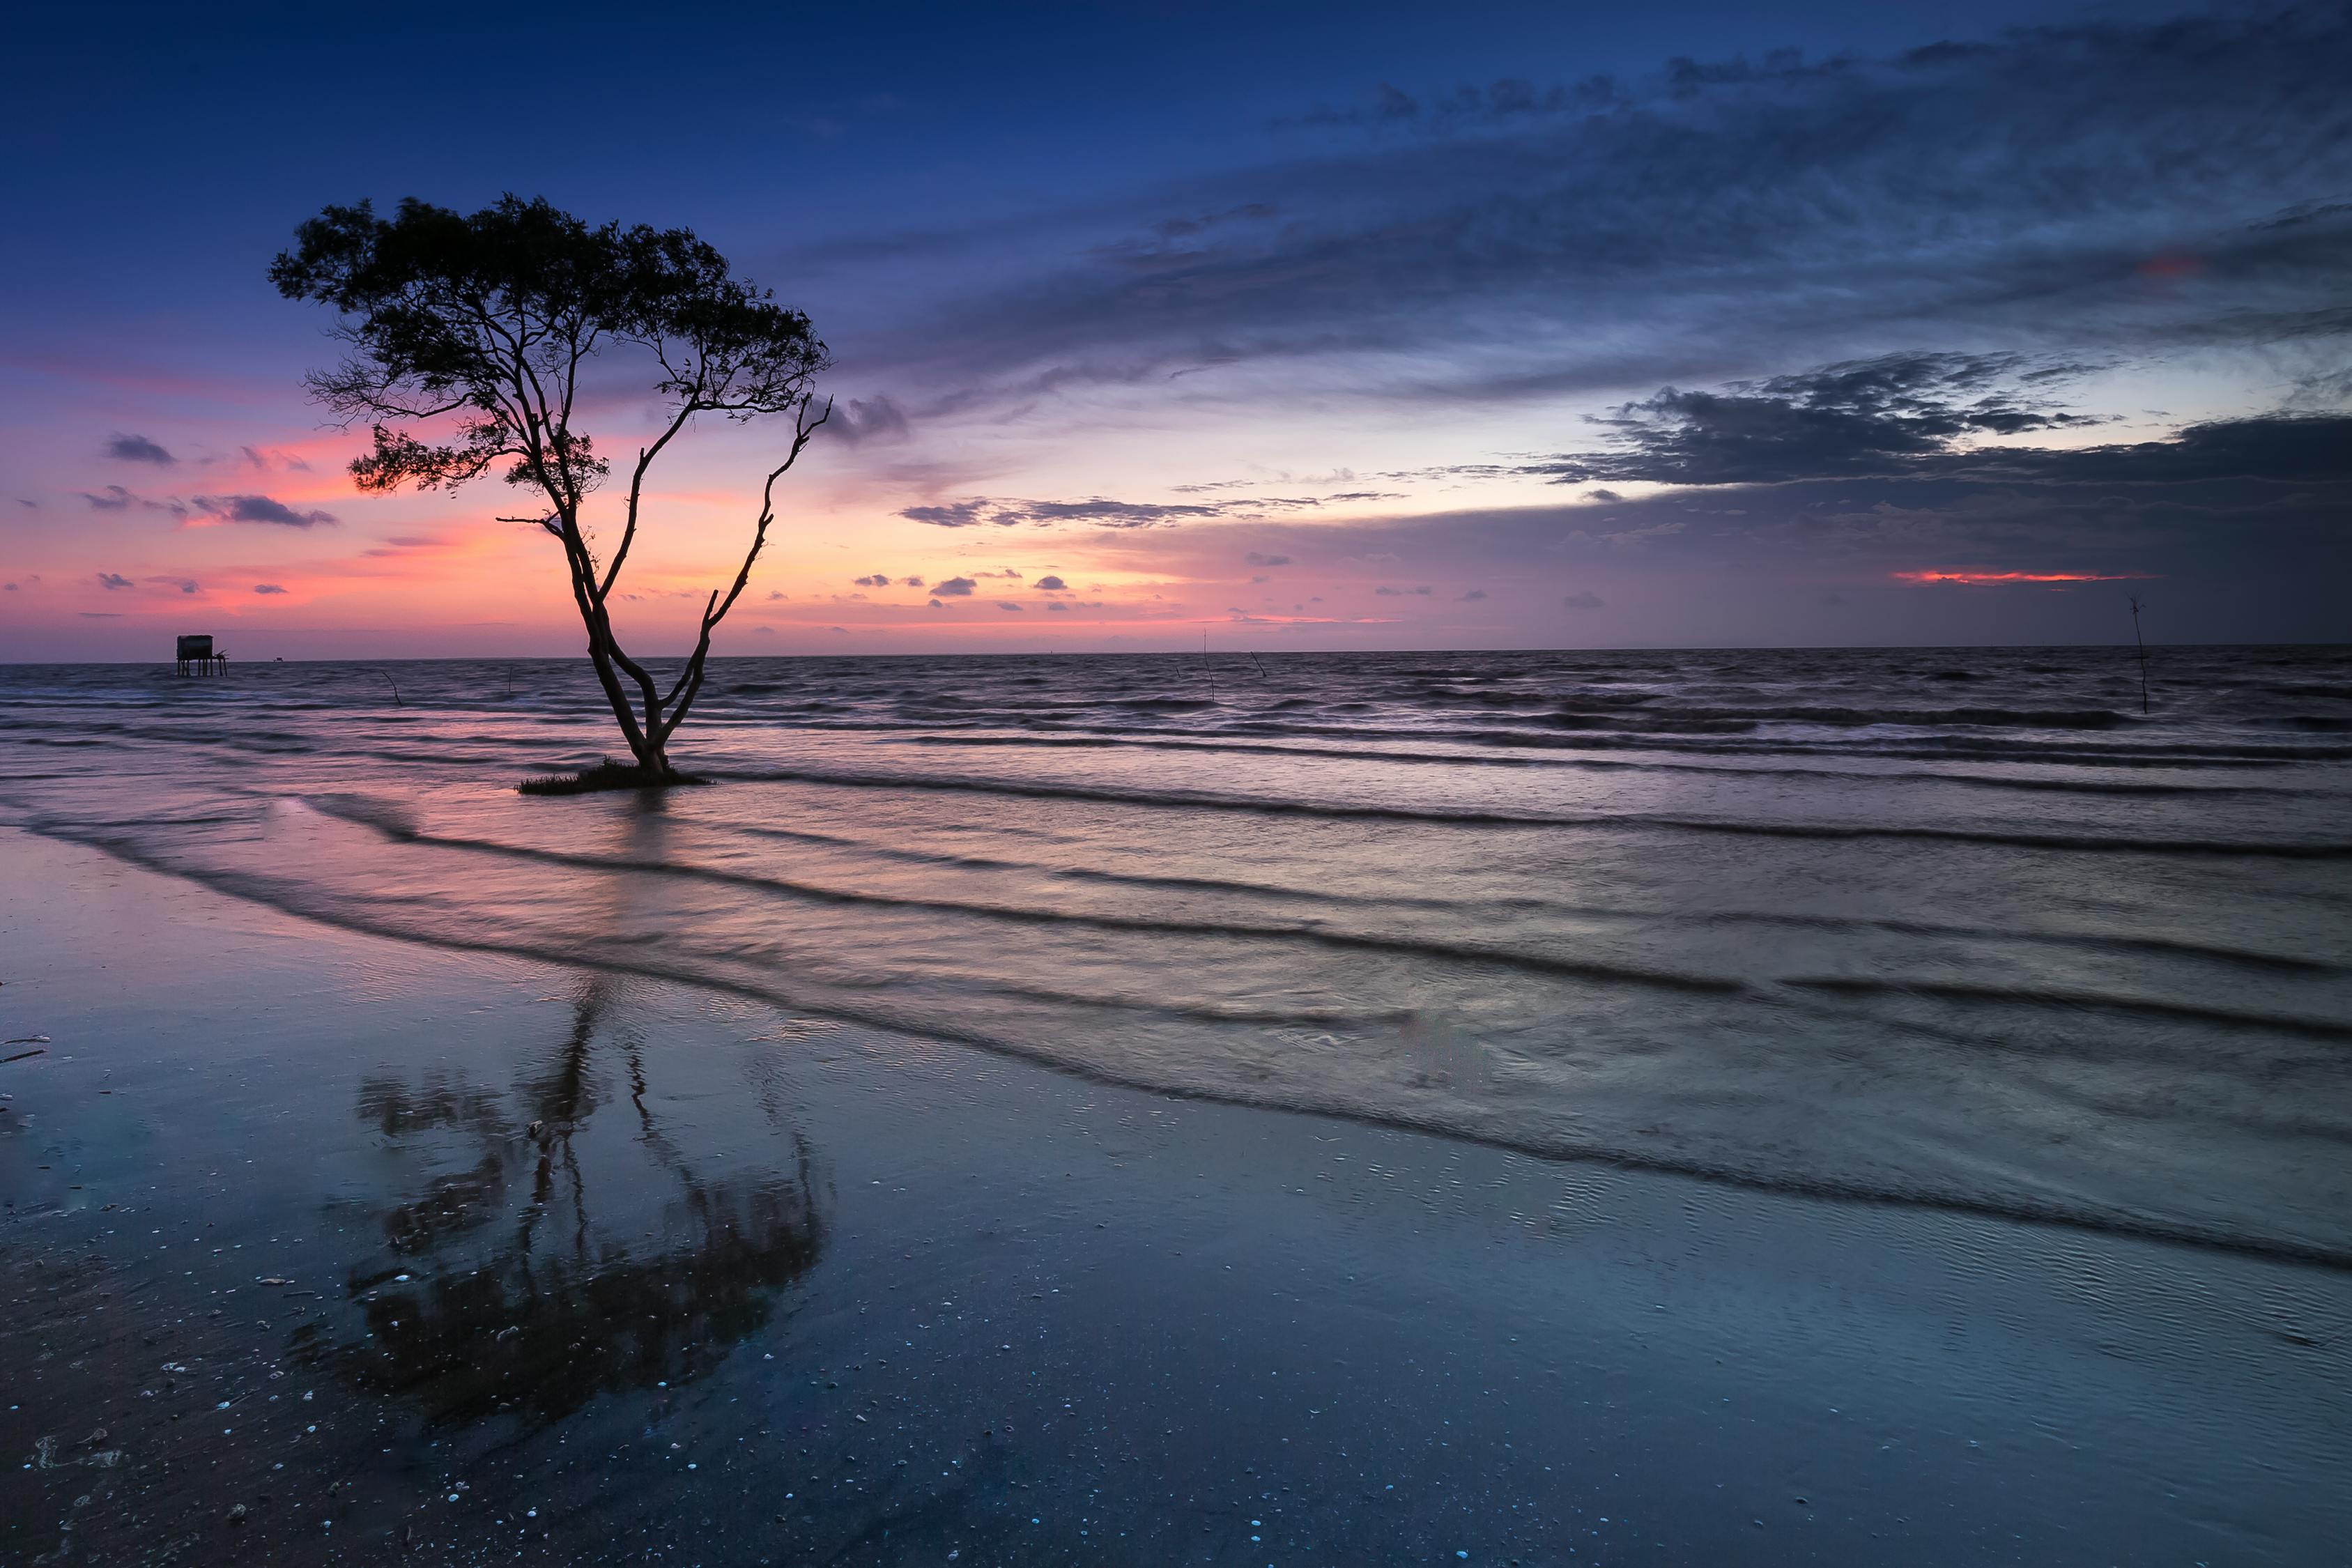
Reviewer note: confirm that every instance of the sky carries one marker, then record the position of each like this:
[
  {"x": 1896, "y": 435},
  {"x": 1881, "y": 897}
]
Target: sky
[{"x": 1297, "y": 326}]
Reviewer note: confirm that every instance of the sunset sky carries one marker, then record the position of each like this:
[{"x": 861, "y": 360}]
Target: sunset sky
[{"x": 1311, "y": 326}]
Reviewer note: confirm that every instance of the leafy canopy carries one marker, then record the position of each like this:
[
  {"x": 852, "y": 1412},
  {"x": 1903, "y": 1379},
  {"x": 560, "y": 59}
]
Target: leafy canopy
[{"x": 489, "y": 318}]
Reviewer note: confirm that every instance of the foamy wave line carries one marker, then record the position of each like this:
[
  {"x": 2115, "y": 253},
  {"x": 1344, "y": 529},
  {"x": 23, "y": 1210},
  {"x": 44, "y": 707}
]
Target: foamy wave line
[
  {"x": 2160, "y": 946},
  {"x": 1596, "y": 764},
  {"x": 1186, "y": 800}
]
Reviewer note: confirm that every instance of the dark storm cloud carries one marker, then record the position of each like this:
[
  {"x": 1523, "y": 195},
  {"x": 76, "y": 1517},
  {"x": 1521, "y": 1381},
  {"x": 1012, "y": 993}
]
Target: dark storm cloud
[
  {"x": 1923, "y": 415},
  {"x": 2112, "y": 187},
  {"x": 260, "y": 508},
  {"x": 137, "y": 449},
  {"x": 1860, "y": 418}
]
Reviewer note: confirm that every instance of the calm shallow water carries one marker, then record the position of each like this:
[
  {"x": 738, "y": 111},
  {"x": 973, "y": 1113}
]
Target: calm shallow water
[{"x": 1953, "y": 928}]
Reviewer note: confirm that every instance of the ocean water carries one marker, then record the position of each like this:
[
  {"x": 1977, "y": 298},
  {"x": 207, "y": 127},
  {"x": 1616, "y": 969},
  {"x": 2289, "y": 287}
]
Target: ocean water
[{"x": 1961, "y": 929}]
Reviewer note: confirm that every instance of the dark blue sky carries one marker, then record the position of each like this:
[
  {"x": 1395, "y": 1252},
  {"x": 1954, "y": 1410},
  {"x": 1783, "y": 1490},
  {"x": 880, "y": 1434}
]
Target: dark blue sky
[{"x": 1495, "y": 324}]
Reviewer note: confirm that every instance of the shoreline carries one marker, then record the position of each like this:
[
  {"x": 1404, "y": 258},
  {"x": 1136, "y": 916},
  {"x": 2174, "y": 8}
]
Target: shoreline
[{"x": 1130, "y": 1316}]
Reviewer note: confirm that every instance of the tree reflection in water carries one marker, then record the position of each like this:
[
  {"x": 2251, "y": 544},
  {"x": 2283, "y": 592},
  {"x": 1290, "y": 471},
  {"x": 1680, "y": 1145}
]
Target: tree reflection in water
[{"x": 488, "y": 1305}]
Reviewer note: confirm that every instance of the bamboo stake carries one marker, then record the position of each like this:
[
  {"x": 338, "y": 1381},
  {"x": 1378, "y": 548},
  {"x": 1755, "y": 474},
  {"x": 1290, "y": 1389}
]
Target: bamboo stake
[{"x": 2143, "y": 653}]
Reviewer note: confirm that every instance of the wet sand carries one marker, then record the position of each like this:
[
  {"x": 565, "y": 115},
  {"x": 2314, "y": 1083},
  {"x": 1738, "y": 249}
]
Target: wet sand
[{"x": 411, "y": 1255}]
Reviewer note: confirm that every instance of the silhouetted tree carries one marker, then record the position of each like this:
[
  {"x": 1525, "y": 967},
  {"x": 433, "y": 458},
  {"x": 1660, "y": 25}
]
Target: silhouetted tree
[{"x": 475, "y": 329}]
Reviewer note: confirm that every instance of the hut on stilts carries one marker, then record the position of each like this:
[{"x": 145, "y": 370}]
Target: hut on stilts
[{"x": 197, "y": 657}]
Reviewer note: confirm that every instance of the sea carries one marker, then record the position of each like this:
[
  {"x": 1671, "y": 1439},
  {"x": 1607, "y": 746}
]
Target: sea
[{"x": 2040, "y": 933}]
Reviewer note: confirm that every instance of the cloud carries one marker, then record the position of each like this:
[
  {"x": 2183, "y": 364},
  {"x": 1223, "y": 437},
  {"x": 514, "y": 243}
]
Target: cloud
[
  {"x": 1587, "y": 600},
  {"x": 955, "y": 588},
  {"x": 255, "y": 458},
  {"x": 1051, "y": 585},
  {"x": 875, "y": 581},
  {"x": 268, "y": 588},
  {"x": 137, "y": 449},
  {"x": 1862, "y": 416},
  {"x": 860, "y": 420},
  {"x": 260, "y": 508},
  {"x": 911, "y": 582},
  {"x": 1473, "y": 595},
  {"x": 1009, "y": 604},
  {"x": 1633, "y": 538},
  {"x": 1403, "y": 593},
  {"x": 112, "y": 580},
  {"x": 951, "y": 514},
  {"x": 1000, "y": 512},
  {"x": 1929, "y": 417},
  {"x": 114, "y": 497},
  {"x": 1967, "y": 579},
  {"x": 1712, "y": 219},
  {"x": 1258, "y": 558},
  {"x": 1051, "y": 604},
  {"x": 184, "y": 584}
]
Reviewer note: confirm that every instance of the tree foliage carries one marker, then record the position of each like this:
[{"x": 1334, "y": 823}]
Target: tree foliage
[{"x": 469, "y": 335}]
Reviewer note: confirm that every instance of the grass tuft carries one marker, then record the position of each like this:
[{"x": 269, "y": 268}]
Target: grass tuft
[{"x": 605, "y": 775}]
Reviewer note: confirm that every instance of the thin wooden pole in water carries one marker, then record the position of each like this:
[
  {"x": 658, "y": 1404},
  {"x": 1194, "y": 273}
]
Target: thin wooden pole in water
[
  {"x": 1208, "y": 668},
  {"x": 2143, "y": 653}
]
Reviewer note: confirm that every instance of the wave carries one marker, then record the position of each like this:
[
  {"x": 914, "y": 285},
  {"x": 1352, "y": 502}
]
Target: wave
[
  {"x": 1472, "y": 910},
  {"x": 1596, "y": 764},
  {"x": 1558, "y": 1142},
  {"x": 2033, "y": 996},
  {"x": 1185, "y": 800},
  {"x": 818, "y": 893}
]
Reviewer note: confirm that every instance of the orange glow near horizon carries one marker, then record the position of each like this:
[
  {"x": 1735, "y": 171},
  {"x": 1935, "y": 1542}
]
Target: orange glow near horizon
[{"x": 1993, "y": 579}]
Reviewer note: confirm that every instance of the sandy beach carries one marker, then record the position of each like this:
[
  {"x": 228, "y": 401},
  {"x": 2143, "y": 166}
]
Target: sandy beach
[{"x": 320, "y": 1247}]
